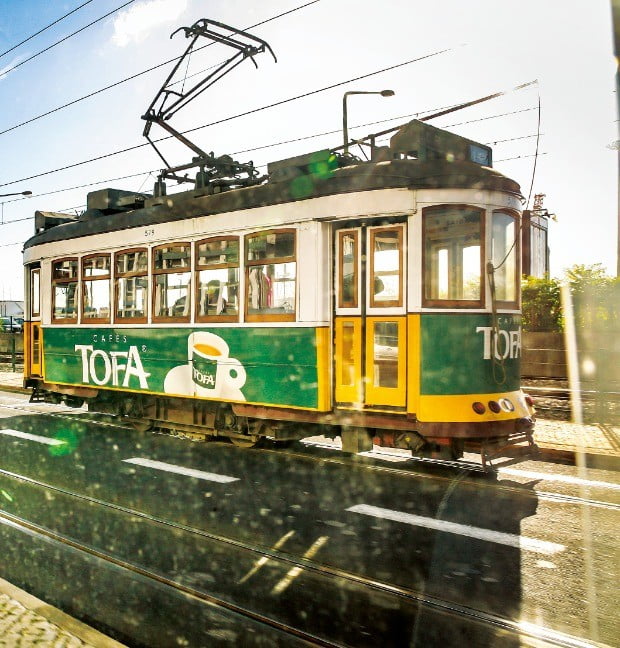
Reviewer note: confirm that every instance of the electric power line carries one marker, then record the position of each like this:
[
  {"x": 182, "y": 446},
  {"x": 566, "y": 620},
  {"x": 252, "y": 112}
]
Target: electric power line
[
  {"x": 138, "y": 74},
  {"x": 250, "y": 150},
  {"x": 231, "y": 117},
  {"x": 62, "y": 40},
  {"x": 44, "y": 28}
]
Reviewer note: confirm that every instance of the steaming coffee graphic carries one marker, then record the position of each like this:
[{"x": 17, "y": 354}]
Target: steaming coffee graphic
[{"x": 210, "y": 371}]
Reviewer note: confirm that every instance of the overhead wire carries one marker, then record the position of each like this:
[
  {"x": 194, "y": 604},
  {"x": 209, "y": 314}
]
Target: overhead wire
[
  {"x": 14, "y": 47},
  {"x": 62, "y": 40},
  {"x": 232, "y": 117},
  {"x": 139, "y": 74},
  {"x": 150, "y": 172}
]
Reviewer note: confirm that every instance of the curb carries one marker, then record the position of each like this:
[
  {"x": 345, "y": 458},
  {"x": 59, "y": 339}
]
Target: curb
[
  {"x": 57, "y": 617},
  {"x": 575, "y": 456},
  {"x": 15, "y": 389}
]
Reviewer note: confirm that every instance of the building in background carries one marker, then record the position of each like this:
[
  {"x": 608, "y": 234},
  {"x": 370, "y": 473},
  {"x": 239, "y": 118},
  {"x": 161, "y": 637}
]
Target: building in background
[{"x": 11, "y": 307}]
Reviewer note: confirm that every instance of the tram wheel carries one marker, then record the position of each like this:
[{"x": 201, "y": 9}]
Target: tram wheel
[
  {"x": 141, "y": 425},
  {"x": 245, "y": 442}
]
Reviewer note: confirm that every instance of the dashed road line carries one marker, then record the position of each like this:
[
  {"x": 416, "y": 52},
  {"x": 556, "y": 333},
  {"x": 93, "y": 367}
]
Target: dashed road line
[
  {"x": 565, "y": 479},
  {"x": 32, "y": 437},
  {"x": 488, "y": 535},
  {"x": 181, "y": 470}
]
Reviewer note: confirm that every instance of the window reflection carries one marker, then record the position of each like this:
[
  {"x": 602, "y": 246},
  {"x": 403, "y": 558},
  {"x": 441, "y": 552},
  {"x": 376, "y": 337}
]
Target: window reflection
[
  {"x": 385, "y": 354},
  {"x": 386, "y": 267},
  {"x": 217, "y": 262},
  {"x": 452, "y": 254},
  {"x": 504, "y": 252},
  {"x": 271, "y": 275}
]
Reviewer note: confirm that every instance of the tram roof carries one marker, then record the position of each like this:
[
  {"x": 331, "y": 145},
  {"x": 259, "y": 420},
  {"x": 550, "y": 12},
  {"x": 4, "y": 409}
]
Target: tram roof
[{"x": 364, "y": 176}]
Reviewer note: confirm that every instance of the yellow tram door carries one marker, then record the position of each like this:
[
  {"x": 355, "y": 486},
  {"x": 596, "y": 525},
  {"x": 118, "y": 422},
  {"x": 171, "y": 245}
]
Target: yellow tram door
[
  {"x": 32, "y": 325},
  {"x": 370, "y": 317}
]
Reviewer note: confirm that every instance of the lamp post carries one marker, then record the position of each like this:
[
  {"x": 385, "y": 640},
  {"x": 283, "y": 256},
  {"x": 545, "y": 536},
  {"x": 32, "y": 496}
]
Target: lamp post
[
  {"x": 345, "y": 132},
  {"x": 19, "y": 193}
]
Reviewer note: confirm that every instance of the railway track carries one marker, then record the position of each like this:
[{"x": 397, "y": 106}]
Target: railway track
[
  {"x": 401, "y": 606},
  {"x": 468, "y": 473}
]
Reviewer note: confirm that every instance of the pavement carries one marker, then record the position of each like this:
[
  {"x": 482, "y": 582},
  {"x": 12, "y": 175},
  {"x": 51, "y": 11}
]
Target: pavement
[{"x": 27, "y": 621}]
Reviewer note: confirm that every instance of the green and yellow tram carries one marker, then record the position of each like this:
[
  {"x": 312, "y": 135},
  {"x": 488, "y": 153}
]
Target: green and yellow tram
[{"x": 375, "y": 300}]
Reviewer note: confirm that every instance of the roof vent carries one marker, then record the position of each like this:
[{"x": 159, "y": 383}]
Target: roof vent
[
  {"x": 112, "y": 201},
  {"x": 425, "y": 142}
]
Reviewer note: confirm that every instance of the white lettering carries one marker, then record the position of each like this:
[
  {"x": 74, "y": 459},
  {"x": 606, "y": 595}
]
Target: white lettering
[
  {"x": 84, "y": 348},
  {"x": 135, "y": 368},
  {"x": 101, "y": 367},
  {"x": 116, "y": 365},
  {"x": 487, "y": 340},
  {"x": 506, "y": 344},
  {"x": 107, "y": 366}
]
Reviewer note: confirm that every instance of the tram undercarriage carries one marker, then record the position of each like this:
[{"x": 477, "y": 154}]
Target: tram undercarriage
[{"x": 247, "y": 425}]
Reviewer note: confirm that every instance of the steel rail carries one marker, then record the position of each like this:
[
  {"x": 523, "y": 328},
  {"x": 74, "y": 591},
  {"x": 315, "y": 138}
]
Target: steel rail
[
  {"x": 541, "y": 633},
  {"x": 411, "y": 472}
]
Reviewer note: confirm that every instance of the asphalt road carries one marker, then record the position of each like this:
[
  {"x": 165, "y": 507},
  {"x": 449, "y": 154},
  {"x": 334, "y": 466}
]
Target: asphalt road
[{"x": 265, "y": 547}]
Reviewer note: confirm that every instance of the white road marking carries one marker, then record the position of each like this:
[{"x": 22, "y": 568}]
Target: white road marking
[
  {"x": 181, "y": 470},
  {"x": 499, "y": 537},
  {"x": 32, "y": 437},
  {"x": 565, "y": 479}
]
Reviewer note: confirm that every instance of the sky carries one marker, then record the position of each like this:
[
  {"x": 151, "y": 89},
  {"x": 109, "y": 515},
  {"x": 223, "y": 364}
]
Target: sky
[{"x": 432, "y": 55}]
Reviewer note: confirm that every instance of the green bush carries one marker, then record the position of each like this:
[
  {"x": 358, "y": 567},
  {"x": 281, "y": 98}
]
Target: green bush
[
  {"x": 595, "y": 299},
  {"x": 541, "y": 306}
]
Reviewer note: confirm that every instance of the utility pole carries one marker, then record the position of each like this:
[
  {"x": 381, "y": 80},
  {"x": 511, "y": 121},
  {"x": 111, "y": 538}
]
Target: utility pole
[{"x": 615, "y": 17}]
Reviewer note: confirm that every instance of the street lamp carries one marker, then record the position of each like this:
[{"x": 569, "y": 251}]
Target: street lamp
[
  {"x": 345, "y": 132},
  {"x": 19, "y": 193}
]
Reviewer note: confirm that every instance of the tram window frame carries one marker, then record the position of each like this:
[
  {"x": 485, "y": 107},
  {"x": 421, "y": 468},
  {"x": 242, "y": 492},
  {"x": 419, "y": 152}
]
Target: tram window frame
[
  {"x": 35, "y": 293},
  {"x": 132, "y": 274},
  {"x": 158, "y": 272},
  {"x": 373, "y": 274},
  {"x": 353, "y": 283},
  {"x": 514, "y": 253},
  {"x": 65, "y": 281},
  {"x": 223, "y": 300},
  {"x": 267, "y": 314},
  {"x": 85, "y": 279},
  {"x": 427, "y": 272}
]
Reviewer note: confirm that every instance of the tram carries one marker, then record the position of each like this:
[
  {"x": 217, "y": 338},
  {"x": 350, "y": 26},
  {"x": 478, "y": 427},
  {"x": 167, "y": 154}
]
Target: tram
[
  {"x": 376, "y": 300},
  {"x": 348, "y": 300}
]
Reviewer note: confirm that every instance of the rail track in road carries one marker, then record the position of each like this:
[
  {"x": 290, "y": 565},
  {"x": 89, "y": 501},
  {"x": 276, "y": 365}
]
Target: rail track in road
[
  {"x": 553, "y": 396},
  {"x": 469, "y": 473},
  {"x": 403, "y": 603}
]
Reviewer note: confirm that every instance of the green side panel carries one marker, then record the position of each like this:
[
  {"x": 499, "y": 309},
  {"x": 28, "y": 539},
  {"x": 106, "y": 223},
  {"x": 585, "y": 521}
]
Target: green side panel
[
  {"x": 458, "y": 357},
  {"x": 274, "y": 365}
]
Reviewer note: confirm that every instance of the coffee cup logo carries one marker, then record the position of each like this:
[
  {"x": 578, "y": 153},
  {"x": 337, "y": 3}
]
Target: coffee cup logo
[{"x": 214, "y": 372}]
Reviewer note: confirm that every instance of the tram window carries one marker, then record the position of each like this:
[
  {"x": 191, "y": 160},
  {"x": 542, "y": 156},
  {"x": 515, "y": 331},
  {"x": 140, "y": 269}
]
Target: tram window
[
  {"x": 35, "y": 293},
  {"x": 505, "y": 255},
  {"x": 171, "y": 279},
  {"x": 453, "y": 254},
  {"x": 131, "y": 285},
  {"x": 385, "y": 354},
  {"x": 64, "y": 290},
  {"x": 271, "y": 276},
  {"x": 96, "y": 288},
  {"x": 386, "y": 264},
  {"x": 348, "y": 280},
  {"x": 217, "y": 279}
]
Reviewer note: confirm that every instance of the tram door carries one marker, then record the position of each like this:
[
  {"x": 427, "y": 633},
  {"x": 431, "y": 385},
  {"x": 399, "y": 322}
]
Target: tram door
[
  {"x": 32, "y": 330},
  {"x": 370, "y": 316}
]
